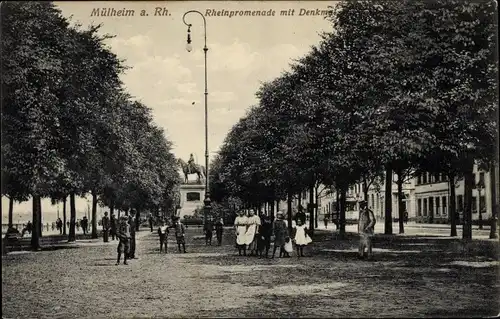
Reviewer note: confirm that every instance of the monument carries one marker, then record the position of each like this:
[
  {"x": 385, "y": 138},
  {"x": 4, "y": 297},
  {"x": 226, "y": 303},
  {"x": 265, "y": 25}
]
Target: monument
[{"x": 192, "y": 190}]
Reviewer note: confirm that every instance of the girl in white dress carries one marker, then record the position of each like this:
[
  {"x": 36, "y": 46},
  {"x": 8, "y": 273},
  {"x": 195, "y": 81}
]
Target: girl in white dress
[{"x": 301, "y": 238}]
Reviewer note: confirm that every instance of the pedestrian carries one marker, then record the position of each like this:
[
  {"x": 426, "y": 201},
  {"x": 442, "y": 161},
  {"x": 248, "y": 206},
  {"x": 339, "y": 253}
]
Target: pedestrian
[
  {"x": 208, "y": 230},
  {"x": 151, "y": 221},
  {"x": 112, "y": 226},
  {"x": 252, "y": 232},
  {"x": 366, "y": 226},
  {"x": 163, "y": 234},
  {"x": 326, "y": 222},
  {"x": 265, "y": 233},
  {"x": 301, "y": 238},
  {"x": 132, "y": 222},
  {"x": 406, "y": 216},
  {"x": 219, "y": 230},
  {"x": 105, "y": 227},
  {"x": 59, "y": 225},
  {"x": 300, "y": 215},
  {"x": 280, "y": 234},
  {"x": 123, "y": 235},
  {"x": 180, "y": 234},
  {"x": 85, "y": 224},
  {"x": 240, "y": 228}
]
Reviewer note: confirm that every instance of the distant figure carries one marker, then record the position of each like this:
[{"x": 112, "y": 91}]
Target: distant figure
[
  {"x": 406, "y": 216},
  {"x": 53, "y": 226},
  {"x": 219, "y": 230},
  {"x": 326, "y": 222},
  {"x": 105, "y": 227},
  {"x": 151, "y": 221},
  {"x": 112, "y": 224},
  {"x": 85, "y": 224},
  {"x": 366, "y": 225},
  {"x": 77, "y": 224},
  {"x": 59, "y": 224},
  {"x": 163, "y": 234},
  {"x": 208, "y": 230}
]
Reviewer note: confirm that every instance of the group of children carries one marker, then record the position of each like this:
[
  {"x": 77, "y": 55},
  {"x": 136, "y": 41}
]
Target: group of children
[
  {"x": 180, "y": 234},
  {"x": 256, "y": 234}
]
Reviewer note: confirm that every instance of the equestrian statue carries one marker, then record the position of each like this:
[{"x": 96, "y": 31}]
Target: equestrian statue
[{"x": 191, "y": 168}]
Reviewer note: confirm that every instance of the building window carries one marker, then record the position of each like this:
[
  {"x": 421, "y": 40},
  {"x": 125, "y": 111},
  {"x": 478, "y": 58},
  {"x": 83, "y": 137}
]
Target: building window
[
  {"x": 304, "y": 195},
  {"x": 474, "y": 204},
  {"x": 438, "y": 208},
  {"x": 445, "y": 210},
  {"x": 193, "y": 196},
  {"x": 419, "y": 179},
  {"x": 424, "y": 178},
  {"x": 350, "y": 206},
  {"x": 445, "y": 177},
  {"x": 419, "y": 207},
  {"x": 425, "y": 207}
]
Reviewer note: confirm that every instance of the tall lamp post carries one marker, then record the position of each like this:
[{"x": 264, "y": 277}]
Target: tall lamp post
[
  {"x": 189, "y": 48},
  {"x": 480, "y": 187}
]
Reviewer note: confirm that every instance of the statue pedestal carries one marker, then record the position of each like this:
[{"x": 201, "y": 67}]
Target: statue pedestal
[{"x": 192, "y": 196}]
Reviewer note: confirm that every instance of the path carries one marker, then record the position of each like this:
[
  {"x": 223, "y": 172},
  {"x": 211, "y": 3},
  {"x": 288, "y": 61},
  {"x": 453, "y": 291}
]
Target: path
[{"x": 410, "y": 277}]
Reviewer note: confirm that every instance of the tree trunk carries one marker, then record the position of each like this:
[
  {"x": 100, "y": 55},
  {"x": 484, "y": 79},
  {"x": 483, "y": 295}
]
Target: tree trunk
[
  {"x": 64, "y": 215},
  {"x": 272, "y": 210},
  {"x": 137, "y": 219},
  {"x": 289, "y": 214},
  {"x": 72, "y": 218},
  {"x": 277, "y": 206},
  {"x": 112, "y": 208},
  {"x": 35, "y": 233},
  {"x": 316, "y": 200},
  {"x": 388, "y": 201},
  {"x": 400, "y": 202},
  {"x": 300, "y": 199},
  {"x": 468, "y": 186},
  {"x": 365, "y": 192},
  {"x": 337, "y": 207},
  {"x": 342, "y": 206},
  {"x": 494, "y": 207},
  {"x": 453, "y": 205},
  {"x": 11, "y": 212},
  {"x": 40, "y": 223},
  {"x": 94, "y": 214},
  {"x": 311, "y": 209}
]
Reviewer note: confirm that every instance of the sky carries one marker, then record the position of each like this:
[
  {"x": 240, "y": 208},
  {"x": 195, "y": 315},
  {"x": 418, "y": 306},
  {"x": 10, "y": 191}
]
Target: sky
[{"x": 243, "y": 52}]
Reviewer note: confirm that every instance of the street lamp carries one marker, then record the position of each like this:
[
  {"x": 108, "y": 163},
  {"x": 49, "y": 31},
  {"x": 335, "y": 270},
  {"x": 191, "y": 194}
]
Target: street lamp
[
  {"x": 480, "y": 187},
  {"x": 189, "y": 48}
]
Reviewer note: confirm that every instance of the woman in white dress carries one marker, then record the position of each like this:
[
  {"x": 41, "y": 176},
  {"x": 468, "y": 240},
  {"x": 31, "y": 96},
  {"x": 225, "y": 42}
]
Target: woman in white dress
[
  {"x": 301, "y": 238},
  {"x": 252, "y": 231},
  {"x": 240, "y": 228}
]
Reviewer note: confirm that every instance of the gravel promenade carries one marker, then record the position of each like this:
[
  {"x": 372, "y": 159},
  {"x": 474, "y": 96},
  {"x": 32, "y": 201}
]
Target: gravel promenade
[{"x": 410, "y": 277}]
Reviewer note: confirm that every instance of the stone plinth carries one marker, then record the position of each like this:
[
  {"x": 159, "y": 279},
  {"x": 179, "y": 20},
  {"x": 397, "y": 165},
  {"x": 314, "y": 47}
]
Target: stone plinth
[{"x": 192, "y": 196}]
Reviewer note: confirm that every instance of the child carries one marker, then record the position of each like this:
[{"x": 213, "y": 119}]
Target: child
[
  {"x": 163, "y": 233},
  {"x": 280, "y": 233},
  {"x": 123, "y": 234},
  {"x": 180, "y": 231},
  {"x": 366, "y": 224},
  {"x": 266, "y": 232},
  {"x": 301, "y": 238},
  {"x": 208, "y": 229},
  {"x": 219, "y": 229}
]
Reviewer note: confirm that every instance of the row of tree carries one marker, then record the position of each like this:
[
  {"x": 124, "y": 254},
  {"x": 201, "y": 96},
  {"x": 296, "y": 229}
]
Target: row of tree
[
  {"x": 69, "y": 128},
  {"x": 399, "y": 87}
]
